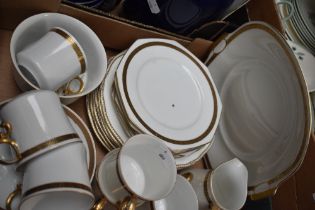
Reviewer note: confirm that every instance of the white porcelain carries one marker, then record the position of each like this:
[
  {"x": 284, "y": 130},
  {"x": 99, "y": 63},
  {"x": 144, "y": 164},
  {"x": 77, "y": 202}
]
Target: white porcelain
[
  {"x": 167, "y": 92},
  {"x": 39, "y": 123},
  {"x": 299, "y": 25},
  {"x": 118, "y": 129},
  {"x": 228, "y": 185},
  {"x": 33, "y": 28},
  {"x": 182, "y": 197},
  {"x": 53, "y": 60},
  {"x": 147, "y": 167},
  {"x": 108, "y": 179},
  {"x": 198, "y": 179},
  {"x": 307, "y": 63},
  {"x": 109, "y": 104},
  {"x": 266, "y": 120},
  {"x": 57, "y": 180},
  {"x": 87, "y": 139},
  {"x": 10, "y": 178}
]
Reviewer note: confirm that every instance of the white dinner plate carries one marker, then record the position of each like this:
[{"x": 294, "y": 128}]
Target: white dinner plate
[
  {"x": 266, "y": 119},
  {"x": 167, "y": 92},
  {"x": 118, "y": 129}
]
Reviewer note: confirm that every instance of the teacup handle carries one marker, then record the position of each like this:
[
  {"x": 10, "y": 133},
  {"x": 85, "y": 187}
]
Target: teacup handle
[
  {"x": 5, "y": 139},
  {"x": 8, "y": 202},
  {"x": 68, "y": 91},
  {"x": 287, "y": 3},
  {"x": 189, "y": 176},
  {"x": 129, "y": 203},
  {"x": 100, "y": 205}
]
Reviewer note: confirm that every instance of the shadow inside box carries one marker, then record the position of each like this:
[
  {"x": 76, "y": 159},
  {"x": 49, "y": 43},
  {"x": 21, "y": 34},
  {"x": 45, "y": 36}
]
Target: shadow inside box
[{"x": 262, "y": 204}]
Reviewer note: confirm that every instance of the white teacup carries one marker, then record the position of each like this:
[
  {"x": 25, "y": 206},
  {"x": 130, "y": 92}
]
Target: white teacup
[
  {"x": 58, "y": 180},
  {"x": 37, "y": 123},
  {"x": 225, "y": 187},
  {"x": 182, "y": 197},
  {"x": 143, "y": 168},
  {"x": 228, "y": 185},
  {"x": 53, "y": 61},
  {"x": 10, "y": 180}
]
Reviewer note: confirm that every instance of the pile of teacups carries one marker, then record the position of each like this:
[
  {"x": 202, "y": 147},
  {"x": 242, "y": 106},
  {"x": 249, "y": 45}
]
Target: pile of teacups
[{"x": 47, "y": 151}]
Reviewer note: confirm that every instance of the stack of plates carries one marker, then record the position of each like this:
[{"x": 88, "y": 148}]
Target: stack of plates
[
  {"x": 300, "y": 21},
  {"x": 159, "y": 88}
]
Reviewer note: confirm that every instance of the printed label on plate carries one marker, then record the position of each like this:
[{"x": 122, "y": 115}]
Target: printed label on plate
[{"x": 154, "y": 7}]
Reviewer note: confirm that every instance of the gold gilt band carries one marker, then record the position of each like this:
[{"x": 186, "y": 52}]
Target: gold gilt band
[
  {"x": 75, "y": 47},
  {"x": 49, "y": 143},
  {"x": 206, "y": 187},
  {"x": 56, "y": 186}
]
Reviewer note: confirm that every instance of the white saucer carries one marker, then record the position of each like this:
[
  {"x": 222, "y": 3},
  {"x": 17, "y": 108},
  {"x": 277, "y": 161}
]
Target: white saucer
[{"x": 34, "y": 27}]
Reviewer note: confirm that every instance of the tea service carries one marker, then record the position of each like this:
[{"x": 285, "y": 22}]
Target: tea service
[{"x": 156, "y": 109}]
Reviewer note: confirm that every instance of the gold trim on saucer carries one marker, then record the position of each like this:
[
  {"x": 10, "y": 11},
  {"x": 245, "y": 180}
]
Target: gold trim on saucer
[
  {"x": 56, "y": 186},
  {"x": 306, "y": 100},
  {"x": 74, "y": 46},
  {"x": 49, "y": 143},
  {"x": 151, "y": 130},
  {"x": 88, "y": 138},
  {"x": 206, "y": 187}
]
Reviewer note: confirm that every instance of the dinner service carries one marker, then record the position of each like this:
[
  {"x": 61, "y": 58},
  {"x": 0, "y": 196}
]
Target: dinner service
[
  {"x": 35, "y": 27},
  {"x": 182, "y": 197},
  {"x": 36, "y": 123},
  {"x": 54, "y": 60},
  {"x": 143, "y": 169},
  {"x": 266, "y": 121},
  {"x": 108, "y": 127}
]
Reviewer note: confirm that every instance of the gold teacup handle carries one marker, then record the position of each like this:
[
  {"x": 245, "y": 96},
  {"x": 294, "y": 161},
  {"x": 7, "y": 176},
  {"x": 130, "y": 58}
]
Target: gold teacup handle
[
  {"x": 129, "y": 203},
  {"x": 100, "y": 205},
  {"x": 8, "y": 202},
  {"x": 189, "y": 176},
  {"x": 68, "y": 91},
  {"x": 5, "y": 139}
]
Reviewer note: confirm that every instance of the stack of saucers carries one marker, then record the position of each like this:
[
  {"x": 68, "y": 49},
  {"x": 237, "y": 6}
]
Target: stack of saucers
[
  {"x": 157, "y": 87},
  {"x": 299, "y": 18}
]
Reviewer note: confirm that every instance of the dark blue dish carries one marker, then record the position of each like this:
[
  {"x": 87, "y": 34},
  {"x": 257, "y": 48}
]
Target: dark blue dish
[{"x": 179, "y": 16}]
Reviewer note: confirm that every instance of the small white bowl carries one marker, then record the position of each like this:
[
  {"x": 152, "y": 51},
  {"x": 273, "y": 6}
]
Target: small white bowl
[
  {"x": 228, "y": 185},
  {"x": 34, "y": 27},
  {"x": 183, "y": 197}
]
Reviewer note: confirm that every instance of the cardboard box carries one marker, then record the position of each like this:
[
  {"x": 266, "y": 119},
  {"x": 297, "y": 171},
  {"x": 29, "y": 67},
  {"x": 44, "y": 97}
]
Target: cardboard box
[{"x": 118, "y": 34}]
